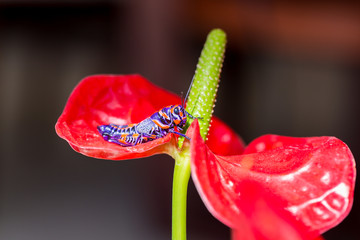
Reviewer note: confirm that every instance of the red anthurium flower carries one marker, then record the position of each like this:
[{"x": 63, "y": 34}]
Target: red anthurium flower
[
  {"x": 278, "y": 188},
  {"x": 125, "y": 99}
]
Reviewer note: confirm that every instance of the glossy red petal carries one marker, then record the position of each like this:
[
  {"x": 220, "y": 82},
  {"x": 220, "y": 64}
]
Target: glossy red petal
[
  {"x": 263, "y": 218},
  {"x": 222, "y": 140},
  {"x": 125, "y": 99},
  {"x": 104, "y": 99},
  {"x": 312, "y": 179}
]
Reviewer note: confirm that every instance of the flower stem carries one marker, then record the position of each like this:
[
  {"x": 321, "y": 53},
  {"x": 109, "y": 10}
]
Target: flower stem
[
  {"x": 180, "y": 185},
  {"x": 200, "y": 104}
]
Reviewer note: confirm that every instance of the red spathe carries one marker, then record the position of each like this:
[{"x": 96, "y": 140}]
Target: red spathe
[
  {"x": 125, "y": 99},
  {"x": 307, "y": 183}
]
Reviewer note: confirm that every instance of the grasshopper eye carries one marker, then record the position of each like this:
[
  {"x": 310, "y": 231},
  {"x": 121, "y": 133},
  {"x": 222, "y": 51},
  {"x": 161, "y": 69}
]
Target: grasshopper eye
[{"x": 176, "y": 110}]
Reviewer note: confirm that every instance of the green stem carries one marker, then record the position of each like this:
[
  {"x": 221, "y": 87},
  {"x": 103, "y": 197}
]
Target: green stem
[
  {"x": 200, "y": 104},
  {"x": 180, "y": 185}
]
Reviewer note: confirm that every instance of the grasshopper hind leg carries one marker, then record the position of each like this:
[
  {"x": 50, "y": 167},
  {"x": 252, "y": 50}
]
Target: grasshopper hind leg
[{"x": 123, "y": 144}]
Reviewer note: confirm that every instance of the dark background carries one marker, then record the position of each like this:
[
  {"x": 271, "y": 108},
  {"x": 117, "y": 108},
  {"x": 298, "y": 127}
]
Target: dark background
[{"x": 289, "y": 69}]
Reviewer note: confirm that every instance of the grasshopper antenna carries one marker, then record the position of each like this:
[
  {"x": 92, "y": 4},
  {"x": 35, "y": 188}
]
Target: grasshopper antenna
[
  {"x": 181, "y": 97},
  {"x": 187, "y": 94}
]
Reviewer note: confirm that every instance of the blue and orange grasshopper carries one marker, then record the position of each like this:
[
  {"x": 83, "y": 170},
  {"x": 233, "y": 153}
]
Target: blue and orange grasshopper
[{"x": 166, "y": 120}]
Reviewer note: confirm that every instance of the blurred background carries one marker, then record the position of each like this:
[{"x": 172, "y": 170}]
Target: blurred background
[{"x": 290, "y": 69}]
